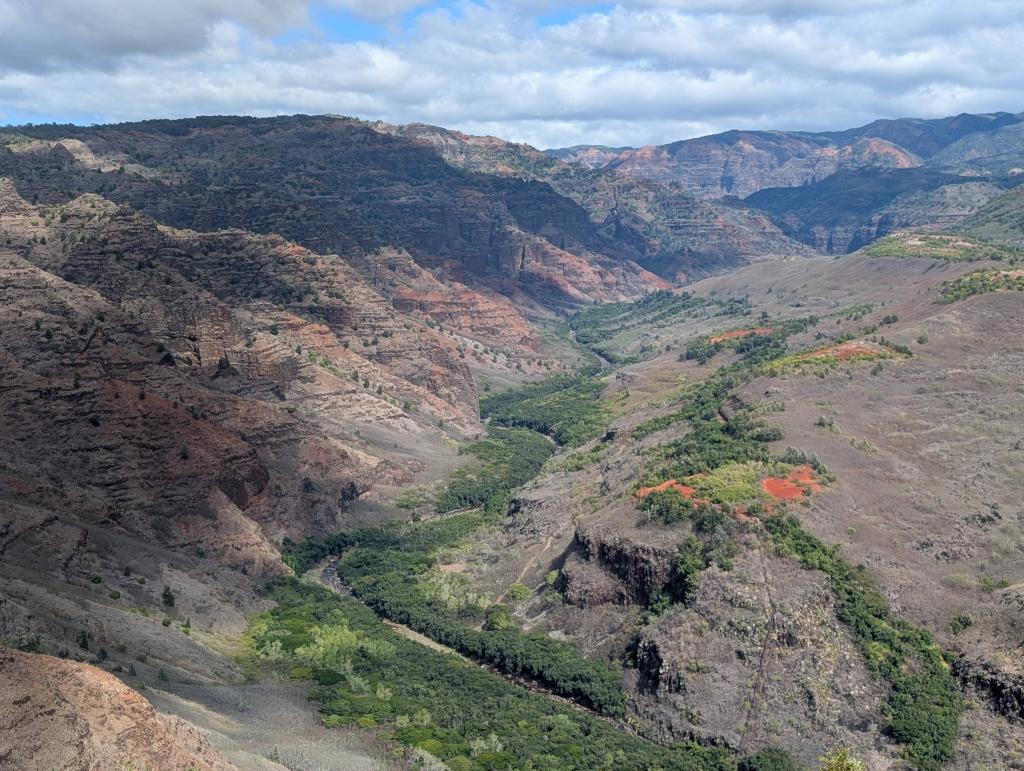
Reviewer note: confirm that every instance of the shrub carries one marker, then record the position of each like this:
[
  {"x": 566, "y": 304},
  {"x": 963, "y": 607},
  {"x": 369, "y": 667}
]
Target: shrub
[
  {"x": 925, "y": 702},
  {"x": 842, "y": 759},
  {"x": 518, "y": 593},
  {"x": 961, "y": 622},
  {"x": 768, "y": 759}
]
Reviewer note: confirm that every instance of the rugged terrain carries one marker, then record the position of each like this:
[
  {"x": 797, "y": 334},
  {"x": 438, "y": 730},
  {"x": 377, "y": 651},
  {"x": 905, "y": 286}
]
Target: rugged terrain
[
  {"x": 234, "y": 350},
  {"x": 98, "y": 723},
  {"x": 837, "y": 191},
  {"x": 757, "y": 655},
  {"x": 739, "y": 163}
]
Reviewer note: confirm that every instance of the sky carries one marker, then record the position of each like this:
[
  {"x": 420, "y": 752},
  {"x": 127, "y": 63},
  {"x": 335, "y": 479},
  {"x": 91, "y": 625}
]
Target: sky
[{"x": 544, "y": 72}]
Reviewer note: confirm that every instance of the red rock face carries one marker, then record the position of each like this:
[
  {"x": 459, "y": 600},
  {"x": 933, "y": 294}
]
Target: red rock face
[
  {"x": 742, "y": 162},
  {"x": 192, "y": 390}
]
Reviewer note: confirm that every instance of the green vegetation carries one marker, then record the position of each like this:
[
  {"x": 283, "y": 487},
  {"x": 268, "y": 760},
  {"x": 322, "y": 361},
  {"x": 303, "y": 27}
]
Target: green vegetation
[
  {"x": 582, "y": 459},
  {"x": 597, "y": 325},
  {"x": 564, "y": 407},
  {"x": 710, "y": 445},
  {"x": 473, "y": 720},
  {"x": 506, "y": 459},
  {"x": 518, "y": 593},
  {"x": 960, "y": 622},
  {"x": 668, "y": 506},
  {"x": 768, "y": 759},
  {"x": 852, "y": 312},
  {"x": 924, "y": 706},
  {"x": 386, "y": 568},
  {"x": 701, "y": 402},
  {"x": 981, "y": 282},
  {"x": 1000, "y": 221},
  {"x": 936, "y": 246},
  {"x": 842, "y": 759},
  {"x": 734, "y": 482}
]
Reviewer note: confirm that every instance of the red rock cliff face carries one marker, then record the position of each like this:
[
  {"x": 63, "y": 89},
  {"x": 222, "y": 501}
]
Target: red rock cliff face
[
  {"x": 742, "y": 162},
  {"x": 194, "y": 391},
  {"x": 664, "y": 228}
]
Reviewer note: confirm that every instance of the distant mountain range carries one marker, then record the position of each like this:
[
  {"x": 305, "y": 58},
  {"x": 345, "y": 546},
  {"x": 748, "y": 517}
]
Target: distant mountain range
[
  {"x": 743, "y": 162},
  {"x": 839, "y": 190}
]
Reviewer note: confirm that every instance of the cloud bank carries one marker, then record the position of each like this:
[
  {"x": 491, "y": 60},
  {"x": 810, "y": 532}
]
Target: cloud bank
[{"x": 547, "y": 73}]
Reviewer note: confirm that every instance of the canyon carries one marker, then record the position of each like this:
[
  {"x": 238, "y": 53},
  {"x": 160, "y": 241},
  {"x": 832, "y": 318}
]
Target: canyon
[{"x": 463, "y": 374}]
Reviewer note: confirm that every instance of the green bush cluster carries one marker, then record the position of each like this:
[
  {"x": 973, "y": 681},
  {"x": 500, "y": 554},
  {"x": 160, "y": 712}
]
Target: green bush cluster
[
  {"x": 937, "y": 246},
  {"x": 506, "y": 459},
  {"x": 566, "y": 408},
  {"x": 924, "y": 706},
  {"x": 383, "y": 569},
  {"x": 596, "y": 325},
  {"x": 979, "y": 282},
  {"x": 471, "y": 719}
]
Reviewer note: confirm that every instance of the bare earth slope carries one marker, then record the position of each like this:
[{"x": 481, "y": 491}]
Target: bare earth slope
[
  {"x": 926, "y": 456},
  {"x": 62, "y": 715}
]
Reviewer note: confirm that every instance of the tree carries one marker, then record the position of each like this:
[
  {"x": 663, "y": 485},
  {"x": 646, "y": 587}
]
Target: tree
[
  {"x": 768, "y": 759},
  {"x": 168, "y": 597},
  {"x": 686, "y": 573}
]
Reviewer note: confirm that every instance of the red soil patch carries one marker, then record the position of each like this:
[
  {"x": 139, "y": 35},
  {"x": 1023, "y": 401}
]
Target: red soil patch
[
  {"x": 739, "y": 333},
  {"x": 796, "y": 484},
  {"x": 1011, "y": 273},
  {"x": 684, "y": 490},
  {"x": 687, "y": 492},
  {"x": 852, "y": 349}
]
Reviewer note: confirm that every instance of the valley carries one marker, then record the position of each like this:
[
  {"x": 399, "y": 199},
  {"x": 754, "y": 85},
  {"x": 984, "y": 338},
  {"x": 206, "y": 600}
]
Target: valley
[{"x": 351, "y": 445}]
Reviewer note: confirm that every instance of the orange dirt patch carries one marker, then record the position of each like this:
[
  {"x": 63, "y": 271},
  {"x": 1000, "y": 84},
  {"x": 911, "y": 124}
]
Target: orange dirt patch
[
  {"x": 1011, "y": 273},
  {"x": 684, "y": 490},
  {"x": 739, "y": 333},
  {"x": 796, "y": 484}
]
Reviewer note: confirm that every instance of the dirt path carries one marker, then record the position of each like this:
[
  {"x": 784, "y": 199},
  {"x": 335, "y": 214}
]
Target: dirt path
[
  {"x": 526, "y": 568},
  {"x": 422, "y": 639}
]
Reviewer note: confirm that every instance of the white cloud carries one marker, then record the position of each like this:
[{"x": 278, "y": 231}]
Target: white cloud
[
  {"x": 378, "y": 10},
  {"x": 645, "y": 71}
]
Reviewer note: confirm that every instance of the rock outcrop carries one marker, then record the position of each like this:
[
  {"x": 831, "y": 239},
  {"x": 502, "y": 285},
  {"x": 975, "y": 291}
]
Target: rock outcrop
[
  {"x": 1005, "y": 691},
  {"x": 758, "y": 658},
  {"x": 643, "y": 569},
  {"x": 62, "y": 714}
]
